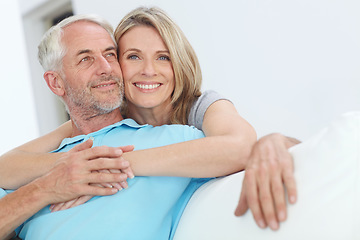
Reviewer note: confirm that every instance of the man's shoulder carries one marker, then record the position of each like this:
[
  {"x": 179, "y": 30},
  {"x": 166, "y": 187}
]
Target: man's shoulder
[{"x": 148, "y": 136}]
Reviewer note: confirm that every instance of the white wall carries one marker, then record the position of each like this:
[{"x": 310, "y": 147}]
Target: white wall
[
  {"x": 18, "y": 118},
  {"x": 37, "y": 18},
  {"x": 289, "y": 66}
]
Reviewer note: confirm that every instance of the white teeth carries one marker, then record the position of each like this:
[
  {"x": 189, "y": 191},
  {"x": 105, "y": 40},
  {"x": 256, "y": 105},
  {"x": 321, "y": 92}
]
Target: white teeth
[
  {"x": 103, "y": 85},
  {"x": 147, "y": 86}
]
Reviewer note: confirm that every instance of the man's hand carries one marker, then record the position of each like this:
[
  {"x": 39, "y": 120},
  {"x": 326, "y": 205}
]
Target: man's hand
[
  {"x": 76, "y": 173},
  {"x": 85, "y": 152},
  {"x": 269, "y": 168}
]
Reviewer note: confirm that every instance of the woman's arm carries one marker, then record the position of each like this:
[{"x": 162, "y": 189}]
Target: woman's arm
[
  {"x": 224, "y": 151},
  {"x": 31, "y": 160},
  {"x": 228, "y": 143}
]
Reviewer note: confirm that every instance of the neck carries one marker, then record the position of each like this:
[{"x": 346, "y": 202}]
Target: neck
[
  {"x": 152, "y": 116},
  {"x": 85, "y": 125}
]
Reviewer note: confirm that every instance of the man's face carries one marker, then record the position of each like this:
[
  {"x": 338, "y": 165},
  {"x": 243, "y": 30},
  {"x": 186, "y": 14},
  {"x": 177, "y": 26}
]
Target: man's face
[{"x": 91, "y": 72}]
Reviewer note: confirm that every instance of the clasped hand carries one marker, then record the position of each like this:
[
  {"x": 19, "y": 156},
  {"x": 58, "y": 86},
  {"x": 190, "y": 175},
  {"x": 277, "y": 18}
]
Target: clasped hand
[{"x": 82, "y": 155}]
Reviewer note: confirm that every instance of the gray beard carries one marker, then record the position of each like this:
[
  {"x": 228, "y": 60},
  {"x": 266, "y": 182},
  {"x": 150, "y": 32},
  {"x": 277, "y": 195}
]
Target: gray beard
[{"x": 88, "y": 106}]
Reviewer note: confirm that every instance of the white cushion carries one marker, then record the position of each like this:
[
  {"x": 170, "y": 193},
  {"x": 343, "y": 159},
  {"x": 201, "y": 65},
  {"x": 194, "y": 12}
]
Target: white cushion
[{"x": 327, "y": 171}]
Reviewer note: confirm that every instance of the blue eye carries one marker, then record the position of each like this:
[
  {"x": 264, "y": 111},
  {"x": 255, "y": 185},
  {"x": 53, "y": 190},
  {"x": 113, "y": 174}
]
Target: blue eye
[
  {"x": 111, "y": 55},
  {"x": 133, "y": 57},
  {"x": 166, "y": 58},
  {"x": 85, "y": 59}
]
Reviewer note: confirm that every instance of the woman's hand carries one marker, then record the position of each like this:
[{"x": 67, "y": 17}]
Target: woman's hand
[{"x": 268, "y": 172}]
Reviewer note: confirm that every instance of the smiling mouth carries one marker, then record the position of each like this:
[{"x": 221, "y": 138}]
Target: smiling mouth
[
  {"x": 103, "y": 85},
  {"x": 147, "y": 86}
]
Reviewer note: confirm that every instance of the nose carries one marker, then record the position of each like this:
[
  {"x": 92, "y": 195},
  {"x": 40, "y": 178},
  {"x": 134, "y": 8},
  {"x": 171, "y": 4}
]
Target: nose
[
  {"x": 103, "y": 66},
  {"x": 149, "y": 68}
]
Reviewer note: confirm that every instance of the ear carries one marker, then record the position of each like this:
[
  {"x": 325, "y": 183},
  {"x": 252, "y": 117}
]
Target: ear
[{"x": 55, "y": 82}]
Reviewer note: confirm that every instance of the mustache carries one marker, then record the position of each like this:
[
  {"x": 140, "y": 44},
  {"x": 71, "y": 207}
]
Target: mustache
[{"x": 106, "y": 79}]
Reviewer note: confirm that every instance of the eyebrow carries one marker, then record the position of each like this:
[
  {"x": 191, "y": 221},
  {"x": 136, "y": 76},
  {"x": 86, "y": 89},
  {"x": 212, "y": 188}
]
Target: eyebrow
[
  {"x": 89, "y": 51},
  {"x": 83, "y": 51},
  {"x": 131, "y": 49},
  {"x": 138, "y": 50},
  {"x": 110, "y": 48}
]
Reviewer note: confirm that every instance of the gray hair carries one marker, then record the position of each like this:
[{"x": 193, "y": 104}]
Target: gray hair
[{"x": 51, "y": 50}]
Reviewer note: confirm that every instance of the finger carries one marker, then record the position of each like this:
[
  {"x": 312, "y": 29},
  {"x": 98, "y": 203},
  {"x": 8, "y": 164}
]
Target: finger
[
  {"x": 101, "y": 184},
  {"x": 57, "y": 207},
  {"x": 128, "y": 171},
  {"x": 105, "y": 177},
  {"x": 102, "y": 151},
  {"x": 288, "y": 172},
  {"x": 127, "y": 148},
  {"x": 67, "y": 204},
  {"x": 107, "y": 163},
  {"x": 278, "y": 194},
  {"x": 105, "y": 184},
  {"x": 82, "y": 146},
  {"x": 116, "y": 185},
  {"x": 51, "y": 207},
  {"x": 80, "y": 200},
  {"x": 124, "y": 184},
  {"x": 253, "y": 198},
  {"x": 267, "y": 205},
  {"x": 290, "y": 185},
  {"x": 96, "y": 190},
  {"x": 242, "y": 206}
]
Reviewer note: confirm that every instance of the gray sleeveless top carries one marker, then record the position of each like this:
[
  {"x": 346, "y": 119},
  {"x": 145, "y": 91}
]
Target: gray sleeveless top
[{"x": 197, "y": 111}]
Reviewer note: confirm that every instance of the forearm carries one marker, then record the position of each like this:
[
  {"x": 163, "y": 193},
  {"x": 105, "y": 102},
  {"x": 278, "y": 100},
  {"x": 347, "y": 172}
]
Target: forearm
[
  {"x": 31, "y": 160},
  {"x": 18, "y": 168},
  {"x": 225, "y": 149},
  {"x": 17, "y": 207},
  {"x": 207, "y": 157}
]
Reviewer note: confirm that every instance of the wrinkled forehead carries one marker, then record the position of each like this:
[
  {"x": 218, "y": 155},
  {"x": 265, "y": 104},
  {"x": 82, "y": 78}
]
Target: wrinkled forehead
[{"x": 84, "y": 35}]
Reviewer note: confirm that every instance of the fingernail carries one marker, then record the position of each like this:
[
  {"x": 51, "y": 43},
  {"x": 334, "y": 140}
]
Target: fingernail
[
  {"x": 118, "y": 151},
  {"x": 261, "y": 223},
  {"x": 292, "y": 199},
  {"x": 281, "y": 215},
  {"x": 274, "y": 225}
]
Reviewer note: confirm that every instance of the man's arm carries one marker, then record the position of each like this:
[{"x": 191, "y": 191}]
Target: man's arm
[
  {"x": 269, "y": 169},
  {"x": 18, "y": 206},
  {"x": 69, "y": 179}
]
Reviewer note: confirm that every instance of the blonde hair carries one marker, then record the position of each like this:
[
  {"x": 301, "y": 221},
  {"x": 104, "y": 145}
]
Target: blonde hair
[{"x": 184, "y": 60}]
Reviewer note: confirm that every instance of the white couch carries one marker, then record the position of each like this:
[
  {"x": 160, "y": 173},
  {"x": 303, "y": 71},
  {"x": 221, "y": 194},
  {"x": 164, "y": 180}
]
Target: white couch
[{"x": 327, "y": 171}]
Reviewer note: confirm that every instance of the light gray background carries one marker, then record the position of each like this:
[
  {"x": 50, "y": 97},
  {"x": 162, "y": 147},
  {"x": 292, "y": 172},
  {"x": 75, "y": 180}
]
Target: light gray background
[{"x": 288, "y": 66}]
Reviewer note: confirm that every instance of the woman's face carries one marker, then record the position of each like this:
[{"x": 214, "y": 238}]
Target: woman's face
[{"x": 147, "y": 68}]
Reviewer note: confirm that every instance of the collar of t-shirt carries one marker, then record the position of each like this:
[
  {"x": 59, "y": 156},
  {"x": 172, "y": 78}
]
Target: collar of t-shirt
[{"x": 80, "y": 138}]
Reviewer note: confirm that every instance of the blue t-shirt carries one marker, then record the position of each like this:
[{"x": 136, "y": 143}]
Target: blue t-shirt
[{"x": 149, "y": 209}]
